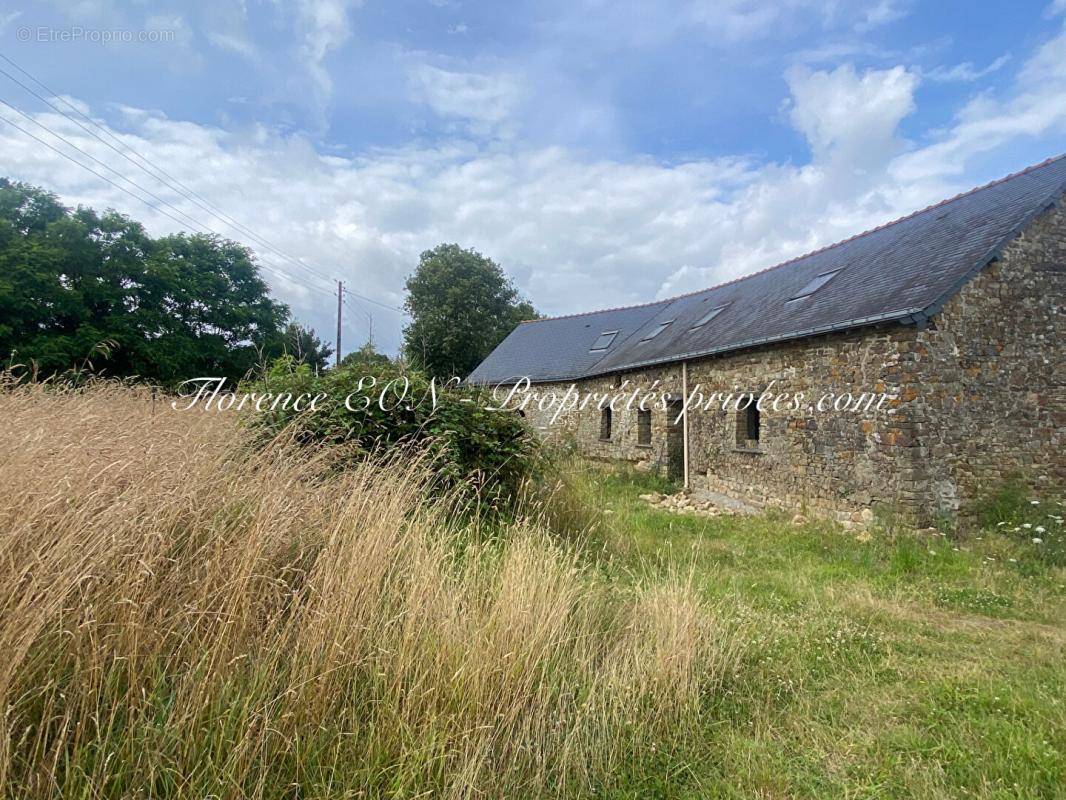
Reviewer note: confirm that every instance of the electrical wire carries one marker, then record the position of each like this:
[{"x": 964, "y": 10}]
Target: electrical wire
[
  {"x": 266, "y": 264},
  {"x": 174, "y": 184},
  {"x": 163, "y": 177}
]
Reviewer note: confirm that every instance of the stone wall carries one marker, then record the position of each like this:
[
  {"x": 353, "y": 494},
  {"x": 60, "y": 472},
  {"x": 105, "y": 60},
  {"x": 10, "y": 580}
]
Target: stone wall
[
  {"x": 978, "y": 394},
  {"x": 990, "y": 374},
  {"x": 831, "y": 464}
]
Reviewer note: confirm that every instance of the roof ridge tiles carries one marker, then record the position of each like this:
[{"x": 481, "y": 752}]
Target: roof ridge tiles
[{"x": 814, "y": 252}]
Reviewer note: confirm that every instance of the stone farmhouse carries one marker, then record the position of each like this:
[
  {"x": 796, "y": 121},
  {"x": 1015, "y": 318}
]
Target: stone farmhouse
[{"x": 955, "y": 313}]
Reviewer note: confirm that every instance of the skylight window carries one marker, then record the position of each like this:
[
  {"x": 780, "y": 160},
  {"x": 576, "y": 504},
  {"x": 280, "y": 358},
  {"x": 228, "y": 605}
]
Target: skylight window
[
  {"x": 714, "y": 312},
  {"x": 662, "y": 326},
  {"x": 603, "y": 341},
  {"x": 816, "y": 284}
]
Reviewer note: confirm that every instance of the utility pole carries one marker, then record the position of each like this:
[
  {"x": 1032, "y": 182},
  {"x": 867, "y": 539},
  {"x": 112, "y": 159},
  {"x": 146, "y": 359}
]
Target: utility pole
[{"x": 340, "y": 300}]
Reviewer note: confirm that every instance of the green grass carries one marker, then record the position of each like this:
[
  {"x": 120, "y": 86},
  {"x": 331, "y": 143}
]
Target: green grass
[{"x": 904, "y": 666}]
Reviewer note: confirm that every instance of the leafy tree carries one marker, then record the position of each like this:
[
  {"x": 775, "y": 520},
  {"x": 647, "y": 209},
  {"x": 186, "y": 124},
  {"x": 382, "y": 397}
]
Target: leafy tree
[
  {"x": 462, "y": 305},
  {"x": 305, "y": 346},
  {"x": 366, "y": 356},
  {"x": 167, "y": 309}
]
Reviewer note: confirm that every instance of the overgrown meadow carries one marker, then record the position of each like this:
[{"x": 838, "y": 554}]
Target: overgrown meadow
[
  {"x": 192, "y": 608},
  {"x": 185, "y": 615}
]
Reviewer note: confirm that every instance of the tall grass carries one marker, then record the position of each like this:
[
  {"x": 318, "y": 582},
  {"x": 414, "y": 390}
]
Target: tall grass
[{"x": 184, "y": 616}]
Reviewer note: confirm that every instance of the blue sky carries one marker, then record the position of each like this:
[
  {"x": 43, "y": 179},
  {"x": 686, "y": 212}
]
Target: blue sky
[{"x": 603, "y": 152}]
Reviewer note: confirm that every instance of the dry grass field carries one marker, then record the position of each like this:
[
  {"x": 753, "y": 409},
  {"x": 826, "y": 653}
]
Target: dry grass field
[{"x": 183, "y": 615}]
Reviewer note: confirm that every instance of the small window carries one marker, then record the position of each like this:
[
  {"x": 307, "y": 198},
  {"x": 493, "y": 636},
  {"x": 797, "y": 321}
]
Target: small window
[
  {"x": 603, "y": 341},
  {"x": 644, "y": 427},
  {"x": 605, "y": 425},
  {"x": 749, "y": 423},
  {"x": 714, "y": 312},
  {"x": 814, "y": 285},
  {"x": 753, "y": 422},
  {"x": 662, "y": 326}
]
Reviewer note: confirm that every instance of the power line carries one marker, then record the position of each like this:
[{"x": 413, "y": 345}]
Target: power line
[
  {"x": 375, "y": 302},
  {"x": 90, "y": 156},
  {"x": 184, "y": 223},
  {"x": 164, "y": 212},
  {"x": 174, "y": 184},
  {"x": 90, "y": 169},
  {"x": 351, "y": 306},
  {"x": 189, "y": 220}
]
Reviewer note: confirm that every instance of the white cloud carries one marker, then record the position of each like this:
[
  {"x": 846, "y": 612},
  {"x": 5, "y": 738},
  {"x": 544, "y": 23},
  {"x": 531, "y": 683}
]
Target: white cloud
[
  {"x": 737, "y": 20},
  {"x": 234, "y": 44},
  {"x": 848, "y": 117},
  {"x": 741, "y": 20},
  {"x": 7, "y": 19},
  {"x": 325, "y": 28},
  {"x": 576, "y": 232},
  {"x": 882, "y": 13},
  {"x": 1036, "y": 108},
  {"x": 966, "y": 72},
  {"x": 485, "y": 100}
]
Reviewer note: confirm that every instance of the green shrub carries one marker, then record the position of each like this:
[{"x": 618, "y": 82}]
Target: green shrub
[{"x": 485, "y": 455}]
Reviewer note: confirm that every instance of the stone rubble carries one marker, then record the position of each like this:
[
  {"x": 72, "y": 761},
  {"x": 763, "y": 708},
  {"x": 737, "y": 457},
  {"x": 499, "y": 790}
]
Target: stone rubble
[{"x": 681, "y": 503}]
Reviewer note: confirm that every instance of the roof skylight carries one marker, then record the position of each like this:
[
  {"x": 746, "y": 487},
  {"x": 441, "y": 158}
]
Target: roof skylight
[
  {"x": 662, "y": 326},
  {"x": 603, "y": 341},
  {"x": 814, "y": 285},
  {"x": 711, "y": 314}
]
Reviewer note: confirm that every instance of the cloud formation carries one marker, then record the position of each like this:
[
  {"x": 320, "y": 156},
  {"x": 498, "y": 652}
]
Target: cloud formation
[
  {"x": 577, "y": 230},
  {"x": 483, "y": 101},
  {"x": 324, "y": 25}
]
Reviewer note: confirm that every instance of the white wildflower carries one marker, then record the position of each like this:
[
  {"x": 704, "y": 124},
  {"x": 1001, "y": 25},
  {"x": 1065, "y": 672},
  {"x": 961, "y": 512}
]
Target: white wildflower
[
  {"x": 1039, "y": 529},
  {"x": 1034, "y": 502},
  {"x": 1037, "y": 540},
  {"x": 1027, "y": 525}
]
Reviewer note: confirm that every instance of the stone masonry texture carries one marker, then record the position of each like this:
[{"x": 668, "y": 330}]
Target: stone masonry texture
[{"x": 976, "y": 396}]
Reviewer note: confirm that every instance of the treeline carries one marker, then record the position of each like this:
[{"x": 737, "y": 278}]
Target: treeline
[
  {"x": 81, "y": 289},
  {"x": 88, "y": 291}
]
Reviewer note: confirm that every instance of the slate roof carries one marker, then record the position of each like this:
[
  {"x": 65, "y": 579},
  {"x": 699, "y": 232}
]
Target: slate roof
[{"x": 901, "y": 271}]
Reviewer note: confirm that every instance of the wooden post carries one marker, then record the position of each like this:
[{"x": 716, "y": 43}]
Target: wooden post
[
  {"x": 340, "y": 299},
  {"x": 684, "y": 417}
]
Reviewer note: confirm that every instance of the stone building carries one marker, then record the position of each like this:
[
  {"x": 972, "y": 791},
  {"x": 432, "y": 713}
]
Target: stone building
[{"x": 940, "y": 336}]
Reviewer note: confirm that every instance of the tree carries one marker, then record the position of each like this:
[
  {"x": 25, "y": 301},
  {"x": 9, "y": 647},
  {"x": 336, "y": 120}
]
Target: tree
[
  {"x": 462, "y": 305},
  {"x": 166, "y": 309},
  {"x": 366, "y": 357},
  {"x": 303, "y": 345}
]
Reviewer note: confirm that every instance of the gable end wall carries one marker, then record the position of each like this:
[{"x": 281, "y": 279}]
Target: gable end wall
[{"x": 992, "y": 377}]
